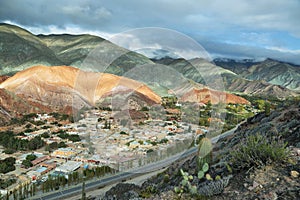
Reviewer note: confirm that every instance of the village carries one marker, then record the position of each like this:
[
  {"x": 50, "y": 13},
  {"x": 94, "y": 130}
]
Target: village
[
  {"x": 42, "y": 152},
  {"x": 100, "y": 138}
]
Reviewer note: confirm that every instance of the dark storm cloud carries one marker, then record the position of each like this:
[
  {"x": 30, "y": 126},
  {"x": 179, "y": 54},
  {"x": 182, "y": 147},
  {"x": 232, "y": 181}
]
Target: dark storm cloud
[
  {"x": 189, "y": 15},
  {"x": 244, "y": 27}
]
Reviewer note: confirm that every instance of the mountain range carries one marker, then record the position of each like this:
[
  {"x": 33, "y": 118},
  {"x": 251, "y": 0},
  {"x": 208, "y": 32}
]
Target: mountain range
[
  {"x": 21, "y": 49},
  {"x": 233, "y": 78},
  {"x": 62, "y": 72},
  {"x": 269, "y": 70}
]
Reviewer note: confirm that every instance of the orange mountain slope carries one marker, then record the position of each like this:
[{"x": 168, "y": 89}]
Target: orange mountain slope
[
  {"x": 61, "y": 86},
  {"x": 205, "y": 95}
]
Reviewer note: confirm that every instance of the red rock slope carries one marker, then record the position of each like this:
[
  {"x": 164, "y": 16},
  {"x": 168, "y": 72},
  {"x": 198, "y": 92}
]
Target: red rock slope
[
  {"x": 205, "y": 95},
  {"x": 61, "y": 86}
]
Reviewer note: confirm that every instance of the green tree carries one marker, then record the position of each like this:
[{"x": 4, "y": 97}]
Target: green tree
[
  {"x": 74, "y": 138},
  {"x": 109, "y": 125},
  {"x": 53, "y": 145},
  {"x": 208, "y": 105},
  {"x": 45, "y": 135},
  {"x": 27, "y": 163},
  {"x": 267, "y": 108},
  {"x": 47, "y": 148},
  {"x": 145, "y": 108},
  {"x": 7, "y": 165},
  {"x": 31, "y": 157},
  {"x": 61, "y": 145}
]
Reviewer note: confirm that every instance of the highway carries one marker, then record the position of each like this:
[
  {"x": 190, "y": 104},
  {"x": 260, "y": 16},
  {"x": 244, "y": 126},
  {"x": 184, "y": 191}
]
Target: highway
[{"x": 125, "y": 175}]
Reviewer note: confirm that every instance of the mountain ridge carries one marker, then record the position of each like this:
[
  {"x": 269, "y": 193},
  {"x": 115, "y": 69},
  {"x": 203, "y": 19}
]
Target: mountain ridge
[
  {"x": 22, "y": 49},
  {"x": 272, "y": 71},
  {"x": 197, "y": 70}
]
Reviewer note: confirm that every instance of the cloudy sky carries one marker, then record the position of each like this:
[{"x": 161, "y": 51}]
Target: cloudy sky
[{"x": 233, "y": 28}]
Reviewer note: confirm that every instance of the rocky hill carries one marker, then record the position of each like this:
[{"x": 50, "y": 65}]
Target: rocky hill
[
  {"x": 259, "y": 88},
  {"x": 272, "y": 71},
  {"x": 206, "y": 95},
  {"x": 21, "y": 49},
  {"x": 233, "y": 80},
  {"x": 273, "y": 178},
  {"x": 59, "y": 87},
  {"x": 68, "y": 89},
  {"x": 13, "y": 106}
]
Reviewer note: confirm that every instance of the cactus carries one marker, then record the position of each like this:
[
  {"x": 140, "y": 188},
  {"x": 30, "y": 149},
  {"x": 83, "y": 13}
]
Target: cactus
[
  {"x": 202, "y": 172},
  {"x": 211, "y": 188},
  {"x": 204, "y": 152},
  {"x": 186, "y": 185},
  {"x": 211, "y": 185}
]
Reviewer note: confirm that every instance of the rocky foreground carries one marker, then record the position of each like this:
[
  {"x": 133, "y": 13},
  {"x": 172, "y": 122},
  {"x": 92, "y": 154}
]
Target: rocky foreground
[{"x": 274, "y": 179}]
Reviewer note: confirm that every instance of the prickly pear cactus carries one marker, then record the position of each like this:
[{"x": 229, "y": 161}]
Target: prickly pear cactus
[{"x": 204, "y": 152}]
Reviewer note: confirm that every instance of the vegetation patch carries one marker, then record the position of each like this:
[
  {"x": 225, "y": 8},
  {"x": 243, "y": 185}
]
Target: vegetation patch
[
  {"x": 7, "y": 165},
  {"x": 257, "y": 151}
]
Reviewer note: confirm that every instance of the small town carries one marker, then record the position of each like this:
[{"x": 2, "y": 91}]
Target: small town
[
  {"x": 45, "y": 152},
  {"x": 98, "y": 140}
]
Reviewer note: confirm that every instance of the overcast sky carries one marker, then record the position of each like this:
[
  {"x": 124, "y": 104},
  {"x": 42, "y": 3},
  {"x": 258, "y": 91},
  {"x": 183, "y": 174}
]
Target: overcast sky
[{"x": 232, "y": 28}]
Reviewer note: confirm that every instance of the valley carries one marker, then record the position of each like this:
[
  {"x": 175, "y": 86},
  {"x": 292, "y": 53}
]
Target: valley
[{"x": 79, "y": 108}]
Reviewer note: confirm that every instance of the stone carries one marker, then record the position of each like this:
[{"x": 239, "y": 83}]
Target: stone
[
  {"x": 298, "y": 152},
  {"x": 294, "y": 174}
]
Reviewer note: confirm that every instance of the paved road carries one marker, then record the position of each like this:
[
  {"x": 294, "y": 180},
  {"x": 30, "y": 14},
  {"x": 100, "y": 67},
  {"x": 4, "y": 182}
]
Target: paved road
[{"x": 126, "y": 175}]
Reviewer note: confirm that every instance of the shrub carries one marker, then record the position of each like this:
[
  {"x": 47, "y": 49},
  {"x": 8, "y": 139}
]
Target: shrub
[
  {"x": 166, "y": 178},
  {"x": 31, "y": 157},
  {"x": 45, "y": 135},
  {"x": 123, "y": 133},
  {"x": 9, "y": 151},
  {"x": 144, "y": 108},
  {"x": 61, "y": 145},
  {"x": 258, "y": 151},
  {"x": 27, "y": 163},
  {"x": 7, "y": 165}
]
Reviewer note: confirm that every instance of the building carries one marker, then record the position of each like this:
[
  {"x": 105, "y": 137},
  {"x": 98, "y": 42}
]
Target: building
[
  {"x": 42, "y": 117},
  {"x": 66, "y": 153},
  {"x": 68, "y": 167},
  {"x": 49, "y": 164},
  {"x": 39, "y": 160}
]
